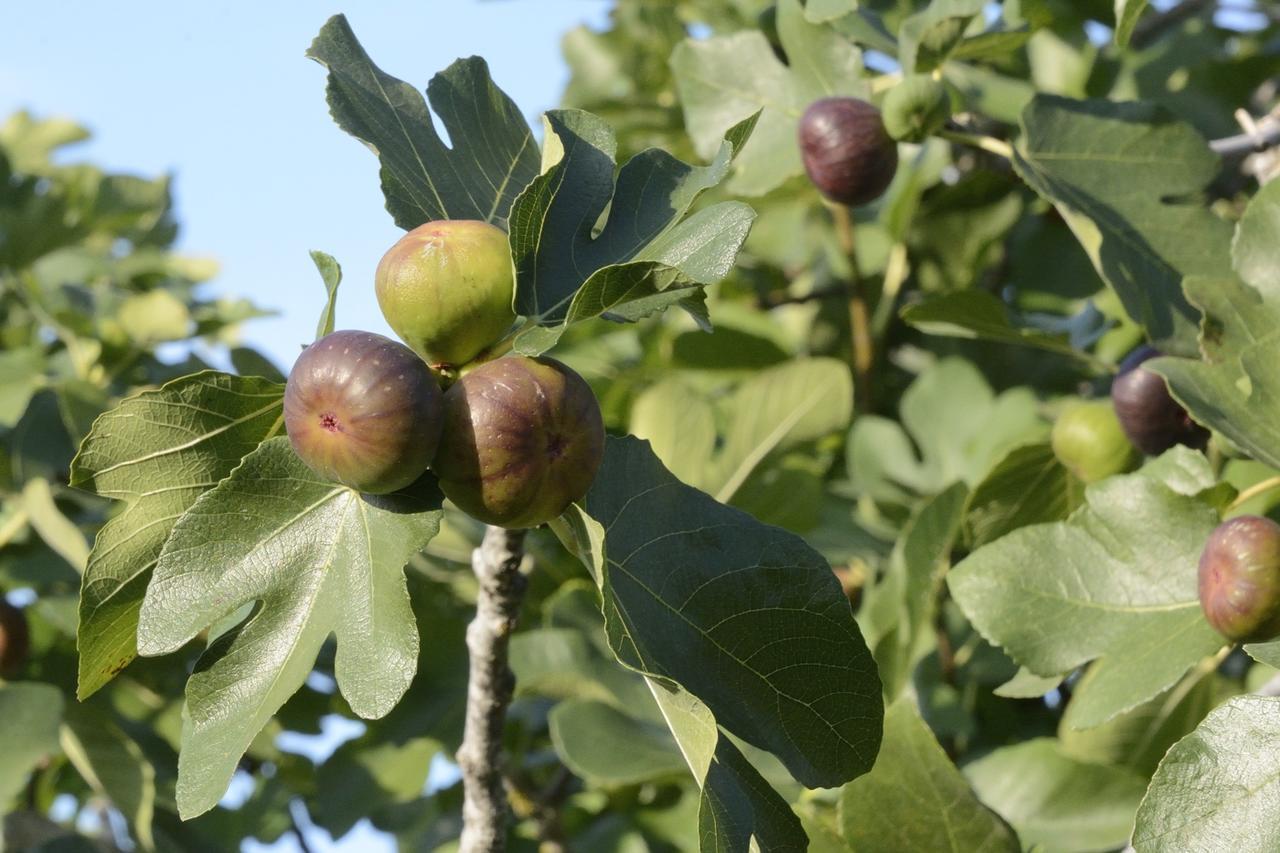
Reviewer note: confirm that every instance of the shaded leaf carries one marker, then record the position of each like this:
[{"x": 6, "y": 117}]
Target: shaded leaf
[
  {"x": 331, "y": 274},
  {"x": 29, "y": 718},
  {"x": 606, "y": 746}
]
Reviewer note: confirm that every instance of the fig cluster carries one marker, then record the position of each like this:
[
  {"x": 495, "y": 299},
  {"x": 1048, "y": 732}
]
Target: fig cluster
[
  {"x": 847, "y": 153},
  {"x": 513, "y": 442},
  {"x": 1148, "y": 414},
  {"x": 1240, "y": 579},
  {"x": 15, "y": 639}
]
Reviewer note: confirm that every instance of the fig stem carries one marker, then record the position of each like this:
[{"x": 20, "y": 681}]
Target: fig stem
[
  {"x": 859, "y": 316},
  {"x": 987, "y": 143},
  {"x": 496, "y": 563},
  {"x": 1253, "y": 491}
]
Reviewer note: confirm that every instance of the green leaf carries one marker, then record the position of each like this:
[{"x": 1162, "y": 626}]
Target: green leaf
[
  {"x": 606, "y": 746},
  {"x": 21, "y": 375},
  {"x": 1219, "y": 787},
  {"x": 724, "y": 79},
  {"x": 321, "y": 559},
  {"x": 1116, "y": 581},
  {"x": 680, "y": 425},
  {"x": 1127, "y": 14},
  {"x": 58, "y": 532},
  {"x": 571, "y": 266},
  {"x": 368, "y": 773},
  {"x": 493, "y": 156},
  {"x": 331, "y": 274},
  {"x": 1056, "y": 801},
  {"x": 157, "y": 451},
  {"x": 113, "y": 765},
  {"x": 154, "y": 317},
  {"x": 745, "y": 617},
  {"x": 1027, "y": 685},
  {"x": 29, "y": 718},
  {"x": 1028, "y": 486},
  {"x": 915, "y": 798},
  {"x": 1129, "y": 179},
  {"x": 927, "y": 38}
]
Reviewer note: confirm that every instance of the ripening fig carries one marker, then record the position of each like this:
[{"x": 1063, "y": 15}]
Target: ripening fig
[
  {"x": 446, "y": 288},
  {"x": 1240, "y": 578},
  {"x": 847, "y": 153},
  {"x": 523, "y": 438},
  {"x": 1088, "y": 440},
  {"x": 15, "y": 640},
  {"x": 364, "y": 411},
  {"x": 916, "y": 107},
  {"x": 1149, "y": 415}
]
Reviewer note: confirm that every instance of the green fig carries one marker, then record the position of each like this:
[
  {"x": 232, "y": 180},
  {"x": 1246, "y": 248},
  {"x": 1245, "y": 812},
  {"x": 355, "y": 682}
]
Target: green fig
[
  {"x": 916, "y": 108},
  {"x": 446, "y": 288},
  {"x": 1087, "y": 438},
  {"x": 523, "y": 439}
]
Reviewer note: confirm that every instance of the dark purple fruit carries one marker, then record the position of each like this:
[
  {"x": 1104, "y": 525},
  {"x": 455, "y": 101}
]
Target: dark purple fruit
[
  {"x": 523, "y": 439},
  {"x": 364, "y": 411},
  {"x": 1240, "y": 578},
  {"x": 15, "y": 640},
  {"x": 847, "y": 152},
  {"x": 1148, "y": 414}
]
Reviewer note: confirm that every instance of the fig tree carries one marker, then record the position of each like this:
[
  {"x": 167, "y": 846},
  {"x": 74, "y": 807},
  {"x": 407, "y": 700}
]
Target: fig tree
[
  {"x": 1088, "y": 440},
  {"x": 846, "y": 151},
  {"x": 15, "y": 641},
  {"x": 364, "y": 411},
  {"x": 1149, "y": 415},
  {"x": 1240, "y": 578},
  {"x": 916, "y": 107},
  {"x": 446, "y": 289},
  {"x": 522, "y": 440}
]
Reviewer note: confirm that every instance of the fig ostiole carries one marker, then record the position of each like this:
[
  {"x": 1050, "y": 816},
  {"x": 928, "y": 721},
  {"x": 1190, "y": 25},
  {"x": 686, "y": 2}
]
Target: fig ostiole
[
  {"x": 363, "y": 410},
  {"x": 1240, "y": 579},
  {"x": 847, "y": 153},
  {"x": 522, "y": 440},
  {"x": 447, "y": 288},
  {"x": 15, "y": 639},
  {"x": 1088, "y": 440},
  {"x": 1149, "y": 415}
]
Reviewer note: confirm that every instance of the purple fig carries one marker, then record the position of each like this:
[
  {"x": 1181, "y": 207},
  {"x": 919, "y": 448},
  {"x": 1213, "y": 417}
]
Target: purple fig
[
  {"x": 446, "y": 288},
  {"x": 1148, "y": 414},
  {"x": 364, "y": 411},
  {"x": 847, "y": 152},
  {"x": 523, "y": 439},
  {"x": 15, "y": 640},
  {"x": 1240, "y": 578}
]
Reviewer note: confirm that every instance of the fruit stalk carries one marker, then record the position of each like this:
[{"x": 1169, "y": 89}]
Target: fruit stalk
[
  {"x": 496, "y": 564},
  {"x": 859, "y": 315}
]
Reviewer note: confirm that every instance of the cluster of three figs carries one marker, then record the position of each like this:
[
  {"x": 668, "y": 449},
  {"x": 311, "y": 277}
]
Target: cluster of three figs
[{"x": 513, "y": 441}]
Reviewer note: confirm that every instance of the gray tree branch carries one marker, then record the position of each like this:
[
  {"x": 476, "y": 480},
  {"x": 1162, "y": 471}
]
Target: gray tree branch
[{"x": 496, "y": 564}]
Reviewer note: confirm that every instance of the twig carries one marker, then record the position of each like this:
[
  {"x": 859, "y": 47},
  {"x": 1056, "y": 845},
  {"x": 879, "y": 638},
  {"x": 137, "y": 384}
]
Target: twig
[
  {"x": 1253, "y": 491},
  {"x": 775, "y": 301},
  {"x": 484, "y": 811},
  {"x": 296, "y": 828},
  {"x": 859, "y": 315},
  {"x": 1152, "y": 27},
  {"x": 1266, "y": 135},
  {"x": 987, "y": 143}
]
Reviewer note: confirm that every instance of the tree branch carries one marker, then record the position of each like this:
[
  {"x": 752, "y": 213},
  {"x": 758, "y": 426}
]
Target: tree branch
[
  {"x": 1267, "y": 136},
  {"x": 497, "y": 566}
]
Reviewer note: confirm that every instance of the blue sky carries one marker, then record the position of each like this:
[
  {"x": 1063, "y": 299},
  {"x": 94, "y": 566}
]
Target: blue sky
[{"x": 219, "y": 94}]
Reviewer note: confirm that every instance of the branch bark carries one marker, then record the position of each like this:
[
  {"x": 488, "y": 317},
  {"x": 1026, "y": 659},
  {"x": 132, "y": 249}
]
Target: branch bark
[{"x": 485, "y": 810}]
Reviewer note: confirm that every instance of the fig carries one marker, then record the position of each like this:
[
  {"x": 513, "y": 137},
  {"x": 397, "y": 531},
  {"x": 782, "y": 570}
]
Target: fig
[
  {"x": 1088, "y": 440},
  {"x": 847, "y": 153},
  {"x": 1149, "y": 415},
  {"x": 15, "y": 640},
  {"x": 446, "y": 288},
  {"x": 915, "y": 108},
  {"x": 523, "y": 439},
  {"x": 364, "y": 411},
  {"x": 1240, "y": 578}
]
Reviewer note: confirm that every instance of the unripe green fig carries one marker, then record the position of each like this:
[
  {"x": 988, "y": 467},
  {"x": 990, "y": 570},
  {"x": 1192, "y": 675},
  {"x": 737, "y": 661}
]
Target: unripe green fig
[
  {"x": 523, "y": 439},
  {"x": 446, "y": 288},
  {"x": 1149, "y": 415},
  {"x": 1088, "y": 440},
  {"x": 15, "y": 640},
  {"x": 1240, "y": 579},
  {"x": 847, "y": 153},
  {"x": 915, "y": 108},
  {"x": 364, "y": 411}
]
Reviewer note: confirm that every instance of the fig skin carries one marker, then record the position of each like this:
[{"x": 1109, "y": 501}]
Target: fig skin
[
  {"x": 1240, "y": 579},
  {"x": 446, "y": 288},
  {"x": 523, "y": 439},
  {"x": 15, "y": 639},
  {"x": 847, "y": 153},
  {"x": 1149, "y": 415},
  {"x": 364, "y": 411},
  {"x": 1088, "y": 440}
]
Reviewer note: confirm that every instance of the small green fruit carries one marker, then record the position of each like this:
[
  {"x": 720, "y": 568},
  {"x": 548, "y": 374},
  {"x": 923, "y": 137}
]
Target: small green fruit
[
  {"x": 1087, "y": 438},
  {"x": 446, "y": 288},
  {"x": 1240, "y": 579},
  {"x": 523, "y": 439},
  {"x": 916, "y": 107},
  {"x": 364, "y": 411}
]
